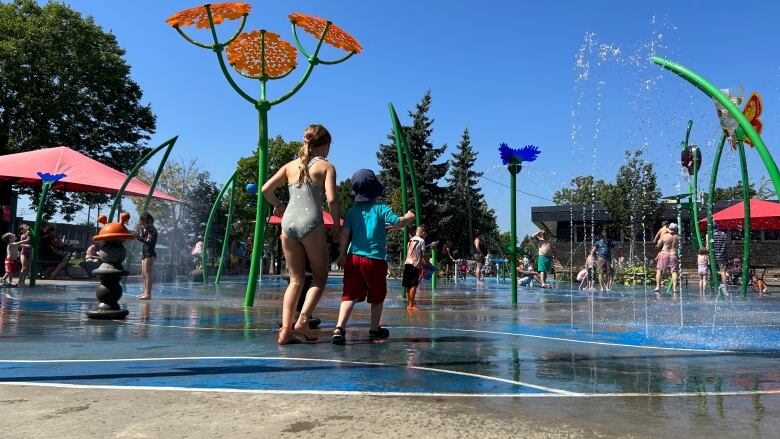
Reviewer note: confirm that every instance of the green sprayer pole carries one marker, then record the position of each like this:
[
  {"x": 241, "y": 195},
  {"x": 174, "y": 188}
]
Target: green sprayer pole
[
  {"x": 513, "y": 170},
  {"x": 226, "y": 240},
  {"x": 36, "y": 235},
  {"x": 694, "y": 200},
  {"x": 214, "y": 207},
  {"x": 133, "y": 172},
  {"x": 418, "y": 214},
  {"x": 746, "y": 201},
  {"x": 256, "y": 265},
  {"x": 710, "y": 195},
  {"x": 748, "y": 129}
]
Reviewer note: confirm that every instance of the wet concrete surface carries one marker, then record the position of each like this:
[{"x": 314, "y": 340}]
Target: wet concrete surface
[{"x": 625, "y": 363}]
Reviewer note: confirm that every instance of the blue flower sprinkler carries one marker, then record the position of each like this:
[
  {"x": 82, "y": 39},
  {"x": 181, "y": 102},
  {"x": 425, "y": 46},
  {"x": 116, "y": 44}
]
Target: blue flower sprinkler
[{"x": 513, "y": 159}]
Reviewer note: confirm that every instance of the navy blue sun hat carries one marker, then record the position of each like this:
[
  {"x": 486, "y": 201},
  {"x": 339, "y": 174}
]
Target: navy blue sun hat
[{"x": 365, "y": 186}]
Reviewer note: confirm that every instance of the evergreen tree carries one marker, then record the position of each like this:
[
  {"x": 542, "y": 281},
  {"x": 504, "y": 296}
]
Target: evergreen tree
[
  {"x": 424, "y": 157},
  {"x": 466, "y": 209}
]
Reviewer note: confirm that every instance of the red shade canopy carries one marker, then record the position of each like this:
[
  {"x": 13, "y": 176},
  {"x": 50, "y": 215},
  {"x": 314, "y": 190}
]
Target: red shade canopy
[
  {"x": 82, "y": 174},
  {"x": 275, "y": 220},
  {"x": 764, "y": 215}
]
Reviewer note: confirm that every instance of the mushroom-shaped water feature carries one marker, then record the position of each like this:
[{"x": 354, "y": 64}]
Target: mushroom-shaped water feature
[{"x": 110, "y": 272}]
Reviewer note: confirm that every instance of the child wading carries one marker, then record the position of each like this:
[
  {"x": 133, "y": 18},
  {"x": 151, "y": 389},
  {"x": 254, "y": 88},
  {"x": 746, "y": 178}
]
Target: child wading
[{"x": 362, "y": 254}]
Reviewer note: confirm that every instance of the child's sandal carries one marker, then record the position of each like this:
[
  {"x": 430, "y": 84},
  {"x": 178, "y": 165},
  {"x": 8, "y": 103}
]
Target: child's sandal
[
  {"x": 379, "y": 334},
  {"x": 340, "y": 338}
]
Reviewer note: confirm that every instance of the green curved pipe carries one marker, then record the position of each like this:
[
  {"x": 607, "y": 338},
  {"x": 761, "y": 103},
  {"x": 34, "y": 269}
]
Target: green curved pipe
[
  {"x": 710, "y": 195},
  {"x": 133, "y": 172},
  {"x": 212, "y": 214},
  {"x": 399, "y": 149},
  {"x": 36, "y": 234},
  {"x": 403, "y": 145},
  {"x": 748, "y": 129},
  {"x": 228, "y": 226},
  {"x": 746, "y": 228}
]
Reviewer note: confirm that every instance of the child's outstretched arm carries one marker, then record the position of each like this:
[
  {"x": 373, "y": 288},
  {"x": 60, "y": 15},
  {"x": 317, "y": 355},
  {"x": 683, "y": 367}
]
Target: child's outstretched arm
[{"x": 406, "y": 219}]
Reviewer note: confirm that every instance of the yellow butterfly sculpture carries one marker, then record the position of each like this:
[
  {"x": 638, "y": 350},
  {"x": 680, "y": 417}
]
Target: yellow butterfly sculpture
[{"x": 752, "y": 111}]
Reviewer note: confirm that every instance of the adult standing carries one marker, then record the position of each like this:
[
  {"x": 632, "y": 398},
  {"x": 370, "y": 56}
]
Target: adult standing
[
  {"x": 480, "y": 252},
  {"x": 666, "y": 261},
  {"x": 544, "y": 261},
  {"x": 147, "y": 234},
  {"x": 309, "y": 179},
  {"x": 604, "y": 261},
  {"x": 720, "y": 250}
]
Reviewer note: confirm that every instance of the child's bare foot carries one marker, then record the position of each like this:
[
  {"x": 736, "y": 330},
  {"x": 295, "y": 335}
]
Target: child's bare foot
[
  {"x": 144, "y": 297},
  {"x": 411, "y": 307},
  {"x": 286, "y": 336},
  {"x": 302, "y": 327}
]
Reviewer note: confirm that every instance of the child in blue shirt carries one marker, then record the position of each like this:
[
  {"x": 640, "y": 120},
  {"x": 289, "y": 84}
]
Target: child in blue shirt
[{"x": 362, "y": 253}]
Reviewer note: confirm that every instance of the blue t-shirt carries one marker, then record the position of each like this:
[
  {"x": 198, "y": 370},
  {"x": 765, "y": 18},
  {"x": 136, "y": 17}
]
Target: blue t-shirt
[
  {"x": 367, "y": 221},
  {"x": 604, "y": 249}
]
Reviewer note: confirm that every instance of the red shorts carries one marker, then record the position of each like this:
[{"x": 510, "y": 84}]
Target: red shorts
[
  {"x": 11, "y": 265},
  {"x": 365, "y": 277}
]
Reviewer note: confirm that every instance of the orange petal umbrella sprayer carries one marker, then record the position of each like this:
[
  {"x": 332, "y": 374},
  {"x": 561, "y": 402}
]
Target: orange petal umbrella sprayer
[
  {"x": 335, "y": 36},
  {"x": 263, "y": 56},
  {"x": 199, "y": 15}
]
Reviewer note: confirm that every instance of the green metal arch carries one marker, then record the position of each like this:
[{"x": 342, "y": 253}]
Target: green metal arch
[{"x": 230, "y": 182}]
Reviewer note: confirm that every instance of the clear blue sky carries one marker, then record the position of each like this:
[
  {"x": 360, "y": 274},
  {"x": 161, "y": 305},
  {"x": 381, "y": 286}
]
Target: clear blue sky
[{"x": 505, "y": 70}]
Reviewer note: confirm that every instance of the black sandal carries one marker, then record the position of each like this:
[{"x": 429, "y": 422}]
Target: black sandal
[
  {"x": 339, "y": 339},
  {"x": 379, "y": 334}
]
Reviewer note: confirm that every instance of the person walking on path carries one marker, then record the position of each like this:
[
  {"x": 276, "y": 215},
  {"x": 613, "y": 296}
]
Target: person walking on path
[
  {"x": 147, "y": 234},
  {"x": 666, "y": 261},
  {"x": 544, "y": 261},
  {"x": 309, "y": 179},
  {"x": 362, "y": 253}
]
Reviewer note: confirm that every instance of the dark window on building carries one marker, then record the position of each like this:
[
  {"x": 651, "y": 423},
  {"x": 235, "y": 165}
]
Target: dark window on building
[{"x": 771, "y": 235}]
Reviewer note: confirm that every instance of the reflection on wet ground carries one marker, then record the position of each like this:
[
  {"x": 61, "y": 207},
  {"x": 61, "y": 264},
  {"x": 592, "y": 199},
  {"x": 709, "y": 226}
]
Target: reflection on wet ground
[{"x": 465, "y": 339}]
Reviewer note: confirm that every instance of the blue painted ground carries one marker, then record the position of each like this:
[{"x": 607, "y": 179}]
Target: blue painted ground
[{"x": 466, "y": 338}]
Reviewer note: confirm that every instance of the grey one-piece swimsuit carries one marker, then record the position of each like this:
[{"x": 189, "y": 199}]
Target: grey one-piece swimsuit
[{"x": 304, "y": 211}]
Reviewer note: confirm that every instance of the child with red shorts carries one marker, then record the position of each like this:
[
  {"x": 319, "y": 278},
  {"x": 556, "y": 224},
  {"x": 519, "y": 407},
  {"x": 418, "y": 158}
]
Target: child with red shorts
[
  {"x": 362, "y": 254},
  {"x": 12, "y": 265}
]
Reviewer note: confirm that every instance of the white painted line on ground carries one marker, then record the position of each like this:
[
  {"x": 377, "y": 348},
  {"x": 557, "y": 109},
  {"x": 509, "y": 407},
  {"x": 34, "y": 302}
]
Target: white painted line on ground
[
  {"x": 321, "y": 360},
  {"x": 398, "y": 394},
  {"x": 545, "y": 337}
]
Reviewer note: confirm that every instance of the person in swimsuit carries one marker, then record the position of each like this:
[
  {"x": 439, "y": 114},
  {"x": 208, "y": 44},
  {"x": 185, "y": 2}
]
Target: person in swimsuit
[
  {"x": 480, "y": 251},
  {"x": 309, "y": 178},
  {"x": 703, "y": 263},
  {"x": 147, "y": 234}
]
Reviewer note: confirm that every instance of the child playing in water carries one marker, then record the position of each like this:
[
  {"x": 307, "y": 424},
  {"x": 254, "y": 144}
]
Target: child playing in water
[
  {"x": 760, "y": 285},
  {"x": 662, "y": 231},
  {"x": 412, "y": 266},
  {"x": 590, "y": 267},
  {"x": 12, "y": 265},
  {"x": 363, "y": 248},
  {"x": 703, "y": 262}
]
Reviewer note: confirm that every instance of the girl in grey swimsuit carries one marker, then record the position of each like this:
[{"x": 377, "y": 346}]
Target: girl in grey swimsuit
[
  {"x": 304, "y": 212},
  {"x": 303, "y": 236}
]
